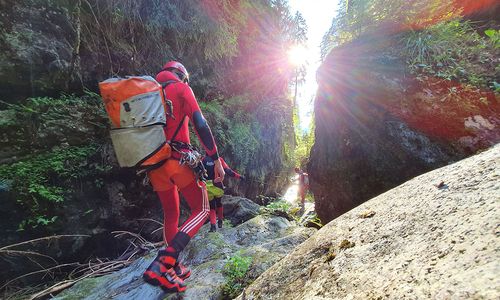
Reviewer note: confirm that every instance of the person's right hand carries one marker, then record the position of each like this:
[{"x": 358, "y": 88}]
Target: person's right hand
[{"x": 219, "y": 171}]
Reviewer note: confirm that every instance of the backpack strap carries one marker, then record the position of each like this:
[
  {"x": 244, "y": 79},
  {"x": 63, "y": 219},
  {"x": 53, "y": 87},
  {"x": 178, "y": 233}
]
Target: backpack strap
[
  {"x": 166, "y": 83},
  {"x": 169, "y": 104},
  {"x": 178, "y": 128},
  {"x": 169, "y": 113}
]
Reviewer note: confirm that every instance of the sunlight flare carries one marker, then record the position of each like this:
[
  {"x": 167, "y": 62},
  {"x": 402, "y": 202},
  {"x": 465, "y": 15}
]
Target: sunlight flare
[
  {"x": 292, "y": 191},
  {"x": 298, "y": 55}
]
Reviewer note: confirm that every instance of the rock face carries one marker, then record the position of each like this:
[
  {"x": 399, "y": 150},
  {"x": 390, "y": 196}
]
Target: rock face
[
  {"x": 38, "y": 43},
  {"x": 377, "y": 127},
  {"x": 433, "y": 237},
  {"x": 265, "y": 238}
]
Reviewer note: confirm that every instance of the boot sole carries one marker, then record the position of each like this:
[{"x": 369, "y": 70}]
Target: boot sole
[
  {"x": 156, "y": 282},
  {"x": 185, "y": 276}
]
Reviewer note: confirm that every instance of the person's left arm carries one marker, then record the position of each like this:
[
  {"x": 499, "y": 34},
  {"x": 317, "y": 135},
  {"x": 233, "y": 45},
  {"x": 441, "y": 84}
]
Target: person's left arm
[{"x": 202, "y": 130}]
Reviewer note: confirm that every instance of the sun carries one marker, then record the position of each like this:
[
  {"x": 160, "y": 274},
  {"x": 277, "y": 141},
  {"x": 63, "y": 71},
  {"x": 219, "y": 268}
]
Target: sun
[{"x": 298, "y": 55}]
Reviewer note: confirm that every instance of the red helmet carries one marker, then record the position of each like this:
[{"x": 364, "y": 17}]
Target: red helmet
[{"x": 177, "y": 66}]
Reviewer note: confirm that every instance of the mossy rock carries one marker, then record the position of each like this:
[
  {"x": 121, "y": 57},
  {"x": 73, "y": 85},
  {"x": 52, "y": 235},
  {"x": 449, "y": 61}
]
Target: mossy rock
[{"x": 81, "y": 289}]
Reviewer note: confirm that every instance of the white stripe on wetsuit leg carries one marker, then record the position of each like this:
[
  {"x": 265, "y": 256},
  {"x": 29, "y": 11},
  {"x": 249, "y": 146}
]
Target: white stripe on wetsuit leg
[
  {"x": 199, "y": 217},
  {"x": 185, "y": 227},
  {"x": 188, "y": 227}
]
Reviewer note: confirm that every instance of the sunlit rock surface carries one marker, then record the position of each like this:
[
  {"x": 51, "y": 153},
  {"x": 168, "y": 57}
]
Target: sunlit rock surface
[
  {"x": 377, "y": 125},
  {"x": 433, "y": 237}
]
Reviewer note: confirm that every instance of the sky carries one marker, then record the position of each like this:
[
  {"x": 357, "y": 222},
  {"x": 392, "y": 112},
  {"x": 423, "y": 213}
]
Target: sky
[{"x": 318, "y": 15}]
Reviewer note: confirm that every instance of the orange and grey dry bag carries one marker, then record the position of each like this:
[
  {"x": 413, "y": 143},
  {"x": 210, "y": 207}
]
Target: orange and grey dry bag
[{"x": 137, "y": 111}]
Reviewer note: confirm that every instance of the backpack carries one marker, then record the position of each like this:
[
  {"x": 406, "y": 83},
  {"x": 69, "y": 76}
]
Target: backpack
[{"x": 137, "y": 109}]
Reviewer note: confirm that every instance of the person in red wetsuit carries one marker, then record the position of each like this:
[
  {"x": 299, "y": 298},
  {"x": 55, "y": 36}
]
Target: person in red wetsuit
[
  {"x": 172, "y": 177},
  {"x": 303, "y": 186},
  {"x": 216, "y": 190}
]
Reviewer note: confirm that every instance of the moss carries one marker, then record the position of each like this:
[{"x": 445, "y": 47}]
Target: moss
[
  {"x": 260, "y": 257},
  {"x": 330, "y": 255},
  {"x": 82, "y": 289},
  {"x": 215, "y": 238},
  {"x": 345, "y": 244},
  {"x": 7, "y": 118},
  {"x": 367, "y": 214},
  {"x": 215, "y": 241},
  {"x": 19, "y": 40},
  {"x": 209, "y": 265}
]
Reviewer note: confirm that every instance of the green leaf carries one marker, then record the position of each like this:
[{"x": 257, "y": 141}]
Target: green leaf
[{"x": 490, "y": 32}]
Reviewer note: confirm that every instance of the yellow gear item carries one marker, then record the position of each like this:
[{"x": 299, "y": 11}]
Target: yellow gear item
[{"x": 213, "y": 191}]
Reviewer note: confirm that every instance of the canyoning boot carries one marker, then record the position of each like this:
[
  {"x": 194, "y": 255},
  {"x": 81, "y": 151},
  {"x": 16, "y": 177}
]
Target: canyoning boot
[
  {"x": 219, "y": 223},
  {"x": 161, "y": 273},
  {"x": 212, "y": 228},
  {"x": 182, "y": 271}
]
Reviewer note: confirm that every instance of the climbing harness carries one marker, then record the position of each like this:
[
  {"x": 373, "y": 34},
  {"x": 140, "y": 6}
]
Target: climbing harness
[{"x": 191, "y": 158}]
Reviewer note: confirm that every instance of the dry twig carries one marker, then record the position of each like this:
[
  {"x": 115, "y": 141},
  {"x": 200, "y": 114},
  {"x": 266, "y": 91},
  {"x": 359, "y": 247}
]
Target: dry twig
[
  {"x": 80, "y": 272},
  {"x": 47, "y": 238}
]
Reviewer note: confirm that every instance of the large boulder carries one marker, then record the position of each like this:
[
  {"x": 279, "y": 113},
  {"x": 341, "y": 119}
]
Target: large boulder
[
  {"x": 377, "y": 126},
  {"x": 239, "y": 209},
  {"x": 433, "y": 237}
]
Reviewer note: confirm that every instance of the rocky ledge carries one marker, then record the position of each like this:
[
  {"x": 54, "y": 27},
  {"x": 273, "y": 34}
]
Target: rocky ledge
[{"x": 263, "y": 239}]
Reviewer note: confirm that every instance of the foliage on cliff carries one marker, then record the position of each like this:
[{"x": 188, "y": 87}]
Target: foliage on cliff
[
  {"x": 56, "y": 143},
  {"x": 433, "y": 38},
  {"x": 303, "y": 144},
  {"x": 256, "y": 140},
  {"x": 49, "y": 46}
]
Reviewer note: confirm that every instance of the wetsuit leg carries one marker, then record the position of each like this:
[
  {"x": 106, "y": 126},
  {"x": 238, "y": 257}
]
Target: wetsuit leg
[
  {"x": 197, "y": 199},
  {"x": 220, "y": 210},
  {"x": 170, "y": 202},
  {"x": 212, "y": 211}
]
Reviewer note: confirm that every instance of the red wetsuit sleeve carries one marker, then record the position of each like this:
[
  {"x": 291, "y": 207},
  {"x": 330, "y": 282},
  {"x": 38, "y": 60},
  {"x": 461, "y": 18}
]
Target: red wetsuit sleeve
[
  {"x": 192, "y": 110},
  {"x": 228, "y": 170}
]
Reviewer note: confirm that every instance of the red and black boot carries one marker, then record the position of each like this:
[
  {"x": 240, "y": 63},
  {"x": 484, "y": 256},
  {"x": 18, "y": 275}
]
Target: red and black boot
[
  {"x": 161, "y": 273},
  {"x": 164, "y": 271}
]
